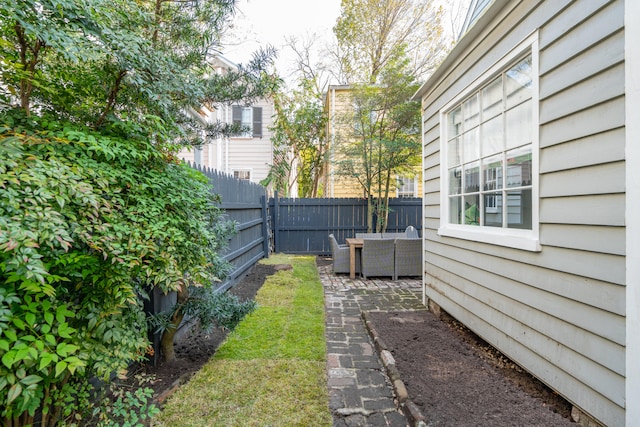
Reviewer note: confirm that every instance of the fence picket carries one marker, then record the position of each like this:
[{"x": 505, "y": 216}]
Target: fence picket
[{"x": 303, "y": 225}]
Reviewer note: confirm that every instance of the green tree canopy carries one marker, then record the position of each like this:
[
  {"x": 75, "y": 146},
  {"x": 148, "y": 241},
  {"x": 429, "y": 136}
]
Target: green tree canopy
[
  {"x": 299, "y": 142},
  {"x": 380, "y": 138},
  {"x": 100, "y": 62},
  {"x": 371, "y": 34},
  {"x": 95, "y": 210}
]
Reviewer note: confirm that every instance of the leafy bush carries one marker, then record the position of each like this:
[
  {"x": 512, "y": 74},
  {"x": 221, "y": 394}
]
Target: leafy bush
[
  {"x": 125, "y": 404},
  {"x": 88, "y": 222}
]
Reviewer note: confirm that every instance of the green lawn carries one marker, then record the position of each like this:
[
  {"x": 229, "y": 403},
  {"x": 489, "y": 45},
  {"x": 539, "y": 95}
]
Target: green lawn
[{"x": 271, "y": 369}]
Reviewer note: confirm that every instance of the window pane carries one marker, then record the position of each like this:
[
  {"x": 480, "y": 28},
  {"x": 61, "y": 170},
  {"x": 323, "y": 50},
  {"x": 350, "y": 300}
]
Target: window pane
[
  {"x": 247, "y": 120},
  {"x": 518, "y": 125},
  {"x": 242, "y": 174},
  {"x": 472, "y": 177},
  {"x": 492, "y": 99},
  {"x": 454, "y": 127},
  {"x": 472, "y": 210},
  {"x": 493, "y": 209},
  {"x": 454, "y": 210},
  {"x": 518, "y": 82},
  {"x": 406, "y": 187},
  {"x": 455, "y": 181},
  {"x": 471, "y": 112},
  {"x": 492, "y": 173},
  {"x": 471, "y": 145},
  {"x": 492, "y": 136},
  {"x": 454, "y": 152},
  {"x": 519, "y": 167},
  {"x": 519, "y": 209}
]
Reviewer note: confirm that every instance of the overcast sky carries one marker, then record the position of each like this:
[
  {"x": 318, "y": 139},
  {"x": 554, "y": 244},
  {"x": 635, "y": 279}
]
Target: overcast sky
[
  {"x": 261, "y": 22},
  {"x": 258, "y": 23}
]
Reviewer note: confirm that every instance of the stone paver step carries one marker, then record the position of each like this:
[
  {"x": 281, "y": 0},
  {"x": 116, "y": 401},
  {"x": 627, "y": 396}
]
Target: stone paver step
[{"x": 360, "y": 393}]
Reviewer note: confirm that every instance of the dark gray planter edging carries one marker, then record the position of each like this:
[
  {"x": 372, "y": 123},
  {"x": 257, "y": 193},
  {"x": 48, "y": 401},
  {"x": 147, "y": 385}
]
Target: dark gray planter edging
[{"x": 410, "y": 409}]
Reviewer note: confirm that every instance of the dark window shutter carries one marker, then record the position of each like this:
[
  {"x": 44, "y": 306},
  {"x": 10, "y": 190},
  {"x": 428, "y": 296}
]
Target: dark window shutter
[
  {"x": 236, "y": 115},
  {"x": 257, "y": 122}
]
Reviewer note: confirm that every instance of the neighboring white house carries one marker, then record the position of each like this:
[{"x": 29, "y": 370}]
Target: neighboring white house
[
  {"x": 247, "y": 156},
  {"x": 531, "y": 178}
]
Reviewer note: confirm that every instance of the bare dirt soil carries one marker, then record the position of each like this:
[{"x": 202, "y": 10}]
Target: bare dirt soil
[
  {"x": 457, "y": 379},
  {"x": 453, "y": 376}
]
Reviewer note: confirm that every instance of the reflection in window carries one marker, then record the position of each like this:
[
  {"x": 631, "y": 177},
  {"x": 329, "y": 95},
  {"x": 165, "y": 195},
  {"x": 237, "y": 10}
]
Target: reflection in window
[
  {"x": 455, "y": 181},
  {"x": 472, "y": 209},
  {"x": 455, "y": 210},
  {"x": 519, "y": 209},
  {"x": 489, "y": 152},
  {"x": 493, "y": 209}
]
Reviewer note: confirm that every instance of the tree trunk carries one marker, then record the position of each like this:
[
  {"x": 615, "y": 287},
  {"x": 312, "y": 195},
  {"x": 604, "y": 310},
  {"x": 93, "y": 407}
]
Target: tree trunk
[
  {"x": 28, "y": 65},
  {"x": 166, "y": 342},
  {"x": 369, "y": 214}
]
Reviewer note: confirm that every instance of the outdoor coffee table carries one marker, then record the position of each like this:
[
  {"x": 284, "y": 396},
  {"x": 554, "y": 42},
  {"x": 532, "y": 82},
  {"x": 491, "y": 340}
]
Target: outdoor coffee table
[{"x": 354, "y": 243}]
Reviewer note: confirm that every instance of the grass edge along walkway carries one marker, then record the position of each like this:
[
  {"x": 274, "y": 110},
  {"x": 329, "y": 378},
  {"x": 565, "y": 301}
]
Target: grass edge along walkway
[{"x": 271, "y": 370}]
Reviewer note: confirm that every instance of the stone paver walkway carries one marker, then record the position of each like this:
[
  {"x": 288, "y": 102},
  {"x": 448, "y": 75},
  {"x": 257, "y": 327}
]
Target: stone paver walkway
[{"x": 360, "y": 394}]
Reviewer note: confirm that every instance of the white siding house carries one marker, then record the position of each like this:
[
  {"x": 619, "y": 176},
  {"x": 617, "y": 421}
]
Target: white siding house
[
  {"x": 247, "y": 156},
  {"x": 531, "y": 204}
]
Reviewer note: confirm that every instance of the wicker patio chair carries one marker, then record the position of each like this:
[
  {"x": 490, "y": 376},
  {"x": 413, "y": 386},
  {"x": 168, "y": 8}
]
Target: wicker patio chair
[
  {"x": 368, "y": 235},
  {"x": 340, "y": 255},
  {"x": 411, "y": 232},
  {"x": 377, "y": 258},
  {"x": 408, "y": 258}
]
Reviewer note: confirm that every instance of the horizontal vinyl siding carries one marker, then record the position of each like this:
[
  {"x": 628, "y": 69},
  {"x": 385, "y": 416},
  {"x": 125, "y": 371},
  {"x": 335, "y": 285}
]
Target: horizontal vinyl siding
[
  {"x": 547, "y": 367},
  {"x": 560, "y": 312},
  {"x": 255, "y": 154},
  {"x": 598, "y": 179},
  {"x": 576, "y": 344},
  {"x": 600, "y": 148},
  {"x": 605, "y": 239},
  {"x": 252, "y": 154}
]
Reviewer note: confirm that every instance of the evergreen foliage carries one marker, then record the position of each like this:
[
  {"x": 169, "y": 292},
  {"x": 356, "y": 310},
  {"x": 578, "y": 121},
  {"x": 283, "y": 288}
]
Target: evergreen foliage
[{"x": 96, "y": 96}]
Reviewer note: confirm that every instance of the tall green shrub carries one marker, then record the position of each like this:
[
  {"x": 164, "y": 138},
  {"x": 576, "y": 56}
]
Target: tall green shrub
[{"x": 88, "y": 222}]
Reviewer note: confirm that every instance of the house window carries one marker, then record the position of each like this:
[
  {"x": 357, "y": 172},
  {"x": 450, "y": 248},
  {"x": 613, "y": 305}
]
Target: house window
[
  {"x": 244, "y": 174},
  {"x": 249, "y": 118},
  {"x": 489, "y": 138},
  {"x": 406, "y": 187}
]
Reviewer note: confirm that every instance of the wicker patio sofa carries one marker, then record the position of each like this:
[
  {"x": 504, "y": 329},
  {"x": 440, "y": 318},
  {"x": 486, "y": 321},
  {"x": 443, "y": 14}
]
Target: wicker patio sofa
[
  {"x": 368, "y": 235},
  {"x": 392, "y": 236},
  {"x": 408, "y": 258},
  {"x": 378, "y": 258}
]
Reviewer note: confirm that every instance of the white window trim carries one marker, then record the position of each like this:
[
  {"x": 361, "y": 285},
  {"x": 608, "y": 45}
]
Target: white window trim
[
  {"x": 415, "y": 185},
  {"x": 528, "y": 240}
]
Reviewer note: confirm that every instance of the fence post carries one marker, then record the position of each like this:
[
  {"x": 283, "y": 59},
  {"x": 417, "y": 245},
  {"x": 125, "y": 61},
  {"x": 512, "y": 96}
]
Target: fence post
[
  {"x": 276, "y": 231},
  {"x": 265, "y": 225}
]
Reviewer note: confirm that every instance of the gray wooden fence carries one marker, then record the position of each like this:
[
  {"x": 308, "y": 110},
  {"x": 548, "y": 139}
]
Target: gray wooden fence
[
  {"x": 303, "y": 225},
  {"x": 295, "y": 226},
  {"x": 245, "y": 203}
]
